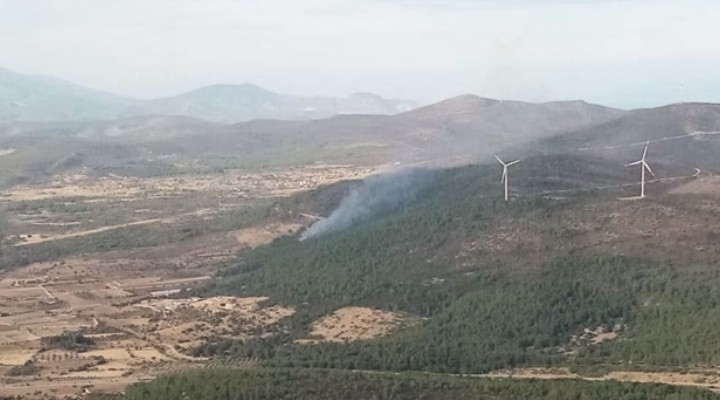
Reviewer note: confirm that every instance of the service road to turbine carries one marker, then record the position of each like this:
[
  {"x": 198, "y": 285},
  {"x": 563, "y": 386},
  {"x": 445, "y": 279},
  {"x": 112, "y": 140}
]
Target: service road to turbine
[
  {"x": 697, "y": 173},
  {"x": 644, "y": 142}
]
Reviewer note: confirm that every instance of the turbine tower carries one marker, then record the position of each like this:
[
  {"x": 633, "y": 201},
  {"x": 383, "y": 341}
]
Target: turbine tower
[
  {"x": 504, "y": 178},
  {"x": 644, "y": 165}
]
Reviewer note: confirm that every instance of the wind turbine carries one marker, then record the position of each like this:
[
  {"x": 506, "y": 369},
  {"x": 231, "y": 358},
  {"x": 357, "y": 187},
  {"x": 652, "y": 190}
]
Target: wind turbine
[
  {"x": 644, "y": 166},
  {"x": 682, "y": 92},
  {"x": 504, "y": 178}
]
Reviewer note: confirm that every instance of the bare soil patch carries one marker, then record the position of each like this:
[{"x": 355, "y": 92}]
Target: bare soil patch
[
  {"x": 40, "y": 238},
  {"x": 189, "y": 321},
  {"x": 235, "y": 183},
  {"x": 119, "y": 298},
  {"x": 357, "y": 323},
  {"x": 706, "y": 186},
  {"x": 256, "y": 236},
  {"x": 597, "y": 335}
]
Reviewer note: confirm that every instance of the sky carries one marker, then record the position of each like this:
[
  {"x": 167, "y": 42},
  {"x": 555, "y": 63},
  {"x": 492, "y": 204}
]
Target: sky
[{"x": 632, "y": 53}]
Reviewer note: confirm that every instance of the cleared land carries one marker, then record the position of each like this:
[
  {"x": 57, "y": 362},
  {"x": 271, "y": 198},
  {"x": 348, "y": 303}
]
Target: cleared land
[
  {"x": 357, "y": 323},
  {"x": 123, "y": 298}
]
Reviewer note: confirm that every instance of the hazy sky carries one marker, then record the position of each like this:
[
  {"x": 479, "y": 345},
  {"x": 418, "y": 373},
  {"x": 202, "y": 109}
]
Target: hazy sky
[{"x": 623, "y": 53}]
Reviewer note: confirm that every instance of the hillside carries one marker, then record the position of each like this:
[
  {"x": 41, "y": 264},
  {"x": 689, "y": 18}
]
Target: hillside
[
  {"x": 464, "y": 129},
  {"x": 29, "y": 159},
  {"x": 129, "y": 129},
  {"x": 452, "y": 132},
  {"x": 501, "y": 116},
  {"x": 502, "y": 285},
  {"x": 331, "y": 385},
  {"x": 683, "y": 132}
]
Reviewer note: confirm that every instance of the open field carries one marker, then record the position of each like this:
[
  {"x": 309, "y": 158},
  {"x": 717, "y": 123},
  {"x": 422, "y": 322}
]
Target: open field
[
  {"x": 357, "y": 323},
  {"x": 125, "y": 298},
  {"x": 229, "y": 183}
]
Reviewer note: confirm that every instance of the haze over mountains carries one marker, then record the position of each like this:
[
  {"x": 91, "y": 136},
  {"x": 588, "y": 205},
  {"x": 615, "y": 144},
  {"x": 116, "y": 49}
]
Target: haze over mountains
[
  {"x": 44, "y": 98},
  {"x": 46, "y": 122},
  {"x": 462, "y": 129}
]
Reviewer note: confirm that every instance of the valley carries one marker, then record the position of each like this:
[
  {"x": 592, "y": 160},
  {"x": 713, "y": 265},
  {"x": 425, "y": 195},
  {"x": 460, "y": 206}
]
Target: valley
[
  {"x": 142, "y": 252},
  {"x": 129, "y": 300}
]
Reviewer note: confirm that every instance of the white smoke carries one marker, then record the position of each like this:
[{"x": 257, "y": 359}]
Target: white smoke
[{"x": 374, "y": 195}]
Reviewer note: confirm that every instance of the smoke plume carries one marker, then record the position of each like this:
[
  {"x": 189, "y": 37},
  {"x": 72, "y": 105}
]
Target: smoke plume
[{"x": 375, "y": 195}]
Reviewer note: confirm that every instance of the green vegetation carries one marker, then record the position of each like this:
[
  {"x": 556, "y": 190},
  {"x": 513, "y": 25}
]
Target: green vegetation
[
  {"x": 520, "y": 304},
  {"x": 489, "y": 323},
  {"x": 278, "y": 384},
  {"x": 41, "y": 156},
  {"x": 241, "y": 214},
  {"x": 74, "y": 341},
  {"x": 28, "y": 368},
  {"x": 386, "y": 261}
]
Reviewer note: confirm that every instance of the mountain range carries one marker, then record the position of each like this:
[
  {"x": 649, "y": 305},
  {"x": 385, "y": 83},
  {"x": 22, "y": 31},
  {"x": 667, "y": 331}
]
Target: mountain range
[
  {"x": 111, "y": 134},
  {"x": 45, "y": 98}
]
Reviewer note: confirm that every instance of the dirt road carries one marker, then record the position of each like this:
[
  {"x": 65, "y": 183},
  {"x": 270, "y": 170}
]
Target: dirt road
[{"x": 41, "y": 239}]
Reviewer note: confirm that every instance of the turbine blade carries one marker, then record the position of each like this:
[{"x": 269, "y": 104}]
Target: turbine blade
[
  {"x": 512, "y": 163},
  {"x": 504, "y": 175},
  {"x": 648, "y": 168},
  {"x": 634, "y": 163},
  {"x": 499, "y": 160},
  {"x": 645, "y": 151}
]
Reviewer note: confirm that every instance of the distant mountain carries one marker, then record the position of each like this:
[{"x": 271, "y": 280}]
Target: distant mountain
[
  {"x": 458, "y": 130},
  {"x": 234, "y": 103},
  {"x": 43, "y": 98},
  {"x": 453, "y": 131},
  {"x": 465, "y": 104},
  {"x": 40, "y": 98},
  {"x": 513, "y": 117}
]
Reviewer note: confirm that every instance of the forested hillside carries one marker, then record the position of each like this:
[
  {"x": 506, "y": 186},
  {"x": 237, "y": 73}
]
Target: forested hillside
[
  {"x": 332, "y": 385},
  {"x": 502, "y": 284}
]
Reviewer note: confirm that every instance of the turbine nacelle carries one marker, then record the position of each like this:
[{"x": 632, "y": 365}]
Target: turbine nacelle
[
  {"x": 503, "y": 163},
  {"x": 644, "y": 164}
]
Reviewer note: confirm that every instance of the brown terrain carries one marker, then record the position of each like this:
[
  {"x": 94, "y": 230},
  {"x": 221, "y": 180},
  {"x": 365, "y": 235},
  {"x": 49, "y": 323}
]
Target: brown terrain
[
  {"x": 356, "y": 323},
  {"x": 125, "y": 300}
]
